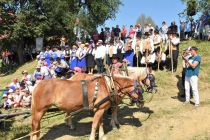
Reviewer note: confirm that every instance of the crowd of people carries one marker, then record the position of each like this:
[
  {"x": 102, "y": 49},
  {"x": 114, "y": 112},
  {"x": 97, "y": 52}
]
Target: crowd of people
[
  {"x": 148, "y": 46},
  {"x": 199, "y": 29}
]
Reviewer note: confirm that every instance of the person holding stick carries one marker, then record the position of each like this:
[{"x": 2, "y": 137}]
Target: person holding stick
[{"x": 173, "y": 49}]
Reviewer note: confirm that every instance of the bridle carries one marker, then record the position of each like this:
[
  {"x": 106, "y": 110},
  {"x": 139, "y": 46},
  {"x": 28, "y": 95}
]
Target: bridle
[{"x": 136, "y": 90}]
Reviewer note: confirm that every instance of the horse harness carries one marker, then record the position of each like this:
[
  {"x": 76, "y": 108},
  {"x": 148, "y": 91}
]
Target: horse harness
[{"x": 94, "y": 107}]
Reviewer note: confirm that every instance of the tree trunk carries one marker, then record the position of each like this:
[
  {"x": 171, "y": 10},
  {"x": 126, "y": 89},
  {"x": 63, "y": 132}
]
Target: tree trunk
[{"x": 18, "y": 47}]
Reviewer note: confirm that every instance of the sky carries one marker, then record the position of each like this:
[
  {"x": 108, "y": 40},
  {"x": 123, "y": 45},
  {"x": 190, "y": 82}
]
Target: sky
[{"x": 159, "y": 10}]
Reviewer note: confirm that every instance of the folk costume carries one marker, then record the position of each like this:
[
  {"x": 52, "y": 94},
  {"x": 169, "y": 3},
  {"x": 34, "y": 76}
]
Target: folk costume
[
  {"x": 147, "y": 50},
  {"x": 173, "y": 50}
]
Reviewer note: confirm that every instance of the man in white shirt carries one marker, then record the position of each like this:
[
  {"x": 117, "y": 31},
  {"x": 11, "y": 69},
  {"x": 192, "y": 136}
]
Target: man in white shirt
[
  {"x": 99, "y": 56},
  {"x": 163, "y": 32}
]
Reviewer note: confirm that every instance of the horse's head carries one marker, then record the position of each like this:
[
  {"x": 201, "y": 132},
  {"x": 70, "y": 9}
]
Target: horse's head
[{"x": 131, "y": 88}]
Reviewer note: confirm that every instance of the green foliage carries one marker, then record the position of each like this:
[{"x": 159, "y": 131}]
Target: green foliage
[
  {"x": 57, "y": 18},
  {"x": 201, "y": 6}
]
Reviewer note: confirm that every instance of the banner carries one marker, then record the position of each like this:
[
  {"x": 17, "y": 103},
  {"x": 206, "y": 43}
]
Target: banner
[{"x": 39, "y": 43}]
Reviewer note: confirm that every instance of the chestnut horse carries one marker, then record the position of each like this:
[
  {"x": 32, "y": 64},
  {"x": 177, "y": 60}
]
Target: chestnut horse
[
  {"x": 68, "y": 96},
  {"x": 114, "y": 120}
]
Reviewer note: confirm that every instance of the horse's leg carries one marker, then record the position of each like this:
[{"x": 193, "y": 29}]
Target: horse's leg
[
  {"x": 69, "y": 121},
  {"x": 101, "y": 130},
  {"x": 113, "y": 116},
  {"x": 96, "y": 120},
  {"x": 36, "y": 118}
]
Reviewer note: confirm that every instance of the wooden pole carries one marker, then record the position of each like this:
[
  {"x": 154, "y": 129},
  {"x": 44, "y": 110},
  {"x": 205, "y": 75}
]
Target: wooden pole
[
  {"x": 146, "y": 57},
  {"x": 172, "y": 65},
  {"x": 160, "y": 54}
]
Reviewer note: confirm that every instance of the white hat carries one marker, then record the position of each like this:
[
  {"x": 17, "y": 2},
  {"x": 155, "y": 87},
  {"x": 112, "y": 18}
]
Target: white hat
[
  {"x": 11, "y": 90},
  {"x": 100, "y": 41},
  {"x": 4, "y": 95}
]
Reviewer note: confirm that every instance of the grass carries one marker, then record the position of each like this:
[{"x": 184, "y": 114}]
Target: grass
[{"x": 166, "y": 112}]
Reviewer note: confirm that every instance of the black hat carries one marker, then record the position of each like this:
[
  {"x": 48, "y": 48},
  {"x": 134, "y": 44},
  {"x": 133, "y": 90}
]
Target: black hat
[
  {"x": 171, "y": 32},
  {"x": 147, "y": 33},
  {"x": 115, "y": 57},
  {"x": 194, "y": 48},
  {"x": 156, "y": 31}
]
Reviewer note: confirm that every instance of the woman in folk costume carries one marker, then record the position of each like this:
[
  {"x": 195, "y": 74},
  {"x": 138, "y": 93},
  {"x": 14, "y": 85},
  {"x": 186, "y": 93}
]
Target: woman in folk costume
[
  {"x": 129, "y": 53},
  {"x": 47, "y": 55},
  {"x": 147, "y": 50},
  {"x": 90, "y": 58},
  {"x": 81, "y": 57},
  {"x": 120, "y": 49},
  {"x": 73, "y": 59}
]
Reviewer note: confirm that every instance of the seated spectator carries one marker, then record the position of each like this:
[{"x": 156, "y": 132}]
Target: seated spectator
[
  {"x": 61, "y": 67},
  {"x": 45, "y": 72},
  {"x": 26, "y": 100},
  {"x": 17, "y": 96},
  {"x": 27, "y": 78},
  {"x": 37, "y": 73},
  {"x": 7, "y": 103},
  {"x": 15, "y": 84}
]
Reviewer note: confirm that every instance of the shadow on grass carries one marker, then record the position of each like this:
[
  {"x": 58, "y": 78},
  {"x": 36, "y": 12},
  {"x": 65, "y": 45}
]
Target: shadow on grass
[{"x": 83, "y": 129}]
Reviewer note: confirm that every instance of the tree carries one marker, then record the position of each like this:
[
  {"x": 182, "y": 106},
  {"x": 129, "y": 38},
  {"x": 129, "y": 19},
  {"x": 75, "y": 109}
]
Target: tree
[
  {"x": 143, "y": 19},
  {"x": 200, "y": 6},
  {"x": 25, "y": 20}
]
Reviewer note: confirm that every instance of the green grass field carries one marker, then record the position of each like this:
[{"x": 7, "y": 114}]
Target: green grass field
[{"x": 168, "y": 118}]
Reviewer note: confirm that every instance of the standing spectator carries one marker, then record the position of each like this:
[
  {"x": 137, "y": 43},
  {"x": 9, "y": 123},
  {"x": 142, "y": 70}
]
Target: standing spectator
[
  {"x": 99, "y": 56},
  {"x": 123, "y": 33},
  {"x": 73, "y": 58},
  {"x": 131, "y": 32},
  {"x": 117, "y": 31},
  {"x": 191, "y": 75},
  {"x": 163, "y": 32},
  {"x": 107, "y": 35},
  {"x": 174, "y": 46},
  {"x": 47, "y": 55},
  {"x": 102, "y": 35},
  {"x": 182, "y": 30},
  {"x": 206, "y": 25},
  {"x": 66, "y": 53},
  {"x": 173, "y": 27},
  {"x": 90, "y": 59},
  {"x": 81, "y": 62},
  {"x": 95, "y": 36}
]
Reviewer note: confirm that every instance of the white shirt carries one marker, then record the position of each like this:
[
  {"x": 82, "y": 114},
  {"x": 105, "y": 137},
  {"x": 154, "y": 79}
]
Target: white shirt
[
  {"x": 45, "y": 71},
  {"x": 175, "y": 41},
  {"x": 16, "y": 85},
  {"x": 100, "y": 52}
]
